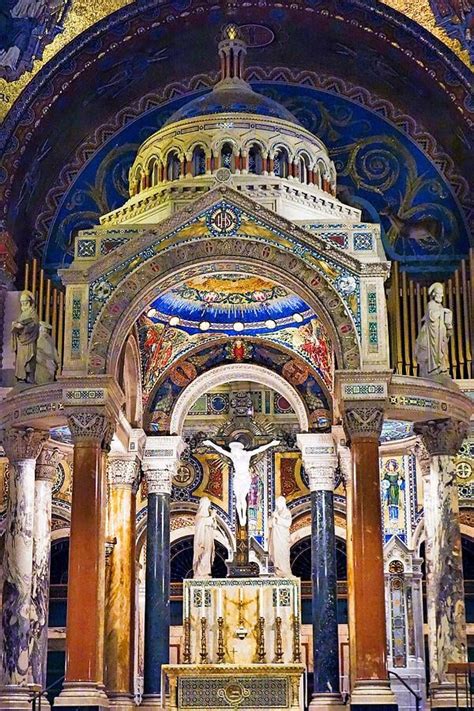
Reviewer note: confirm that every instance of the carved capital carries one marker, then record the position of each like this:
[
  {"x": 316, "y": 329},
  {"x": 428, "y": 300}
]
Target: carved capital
[
  {"x": 422, "y": 456},
  {"x": 158, "y": 480},
  {"x": 345, "y": 464},
  {"x": 91, "y": 427},
  {"x": 47, "y": 463},
  {"x": 363, "y": 422},
  {"x": 442, "y": 437},
  {"x": 321, "y": 478},
  {"x": 122, "y": 471},
  {"x": 23, "y": 443}
]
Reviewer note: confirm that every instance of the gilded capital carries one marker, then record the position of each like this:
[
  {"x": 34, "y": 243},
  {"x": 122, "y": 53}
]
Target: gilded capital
[
  {"x": 91, "y": 427},
  {"x": 47, "y": 463},
  {"x": 24, "y": 443},
  {"x": 122, "y": 471},
  {"x": 363, "y": 421},
  {"x": 442, "y": 437}
]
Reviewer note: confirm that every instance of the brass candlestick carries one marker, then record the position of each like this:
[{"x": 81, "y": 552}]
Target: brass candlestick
[
  {"x": 220, "y": 640},
  {"x": 296, "y": 640},
  {"x": 278, "y": 642},
  {"x": 203, "y": 653},
  {"x": 261, "y": 641},
  {"x": 187, "y": 641}
]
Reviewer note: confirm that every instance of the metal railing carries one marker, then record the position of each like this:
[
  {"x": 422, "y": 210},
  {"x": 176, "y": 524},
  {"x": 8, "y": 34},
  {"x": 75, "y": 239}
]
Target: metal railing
[
  {"x": 464, "y": 684},
  {"x": 35, "y": 700},
  {"x": 418, "y": 697}
]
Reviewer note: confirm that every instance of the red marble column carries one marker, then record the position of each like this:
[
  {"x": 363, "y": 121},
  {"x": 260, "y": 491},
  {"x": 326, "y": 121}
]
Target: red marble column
[
  {"x": 369, "y": 675},
  {"x": 84, "y": 681}
]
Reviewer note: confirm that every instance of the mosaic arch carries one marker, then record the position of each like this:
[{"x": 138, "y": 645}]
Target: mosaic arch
[
  {"x": 174, "y": 252},
  {"x": 398, "y": 180},
  {"x": 261, "y": 362}
]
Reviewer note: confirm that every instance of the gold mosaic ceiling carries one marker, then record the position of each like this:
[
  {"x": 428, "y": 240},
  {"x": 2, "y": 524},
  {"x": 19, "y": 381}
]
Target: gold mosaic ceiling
[{"x": 83, "y": 14}]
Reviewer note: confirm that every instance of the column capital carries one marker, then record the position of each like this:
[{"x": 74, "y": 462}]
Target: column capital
[
  {"x": 23, "y": 443},
  {"x": 47, "y": 462},
  {"x": 122, "y": 470},
  {"x": 442, "y": 437},
  {"x": 318, "y": 452},
  {"x": 363, "y": 421},
  {"x": 90, "y": 426},
  {"x": 422, "y": 456},
  {"x": 160, "y": 460}
]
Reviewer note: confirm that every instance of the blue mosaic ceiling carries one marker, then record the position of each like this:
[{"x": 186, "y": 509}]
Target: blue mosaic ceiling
[{"x": 223, "y": 300}]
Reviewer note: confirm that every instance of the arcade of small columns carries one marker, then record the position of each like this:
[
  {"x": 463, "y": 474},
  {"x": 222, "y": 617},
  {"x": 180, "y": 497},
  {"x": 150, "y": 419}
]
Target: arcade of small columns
[{"x": 100, "y": 644}]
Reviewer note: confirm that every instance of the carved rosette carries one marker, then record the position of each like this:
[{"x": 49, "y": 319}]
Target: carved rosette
[
  {"x": 47, "y": 464},
  {"x": 122, "y": 472},
  {"x": 158, "y": 480},
  {"x": 322, "y": 477},
  {"x": 91, "y": 427},
  {"x": 20, "y": 444},
  {"x": 363, "y": 422},
  {"x": 442, "y": 437}
]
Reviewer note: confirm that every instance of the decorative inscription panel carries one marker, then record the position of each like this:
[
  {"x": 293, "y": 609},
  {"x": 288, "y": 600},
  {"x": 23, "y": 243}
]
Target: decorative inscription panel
[{"x": 232, "y": 691}]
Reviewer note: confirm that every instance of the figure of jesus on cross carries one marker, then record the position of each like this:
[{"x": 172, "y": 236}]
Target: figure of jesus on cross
[{"x": 240, "y": 458}]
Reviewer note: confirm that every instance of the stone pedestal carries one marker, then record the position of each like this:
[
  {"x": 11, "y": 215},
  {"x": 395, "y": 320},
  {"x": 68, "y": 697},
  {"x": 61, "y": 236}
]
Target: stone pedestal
[
  {"x": 84, "y": 683},
  {"x": 22, "y": 448},
  {"x": 320, "y": 463},
  {"x": 447, "y": 643},
  {"x": 159, "y": 464}
]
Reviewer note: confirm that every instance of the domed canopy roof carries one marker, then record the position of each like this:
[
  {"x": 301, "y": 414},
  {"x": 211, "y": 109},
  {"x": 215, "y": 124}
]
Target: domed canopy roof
[
  {"x": 232, "y": 94},
  {"x": 239, "y": 98}
]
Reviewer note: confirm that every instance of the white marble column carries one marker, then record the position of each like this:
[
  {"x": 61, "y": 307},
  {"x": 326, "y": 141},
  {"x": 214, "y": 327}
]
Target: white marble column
[
  {"x": 440, "y": 441},
  {"x": 22, "y": 447},
  {"x": 46, "y": 471}
]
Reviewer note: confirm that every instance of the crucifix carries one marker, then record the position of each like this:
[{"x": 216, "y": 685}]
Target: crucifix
[{"x": 240, "y": 458}]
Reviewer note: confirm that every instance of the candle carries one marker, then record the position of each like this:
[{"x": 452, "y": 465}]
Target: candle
[
  {"x": 260, "y": 601},
  {"x": 203, "y": 597},
  {"x": 277, "y": 602},
  {"x": 219, "y": 601}
]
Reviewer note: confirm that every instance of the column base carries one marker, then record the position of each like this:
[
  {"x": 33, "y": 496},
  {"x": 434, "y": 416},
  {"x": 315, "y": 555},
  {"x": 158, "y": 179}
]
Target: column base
[
  {"x": 121, "y": 702},
  {"x": 443, "y": 696},
  {"x": 15, "y": 698},
  {"x": 79, "y": 696},
  {"x": 151, "y": 701},
  {"x": 326, "y": 702},
  {"x": 373, "y": 693}
]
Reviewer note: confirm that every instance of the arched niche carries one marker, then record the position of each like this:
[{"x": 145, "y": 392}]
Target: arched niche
[
  {"x": 236, "y": 372},
  {"x": 129, "y": 377}
]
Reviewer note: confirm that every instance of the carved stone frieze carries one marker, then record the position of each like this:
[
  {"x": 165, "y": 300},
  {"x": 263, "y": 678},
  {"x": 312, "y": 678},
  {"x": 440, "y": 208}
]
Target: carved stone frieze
[
  {"x": 47, "y": 463},
  {"x": 122, "y": 472},
  {"x": 91, "y": 427},
  {"x": 363, "y": 421},
  {"x": 442, "y": 437},
  {"x": 23, "y": 443}
]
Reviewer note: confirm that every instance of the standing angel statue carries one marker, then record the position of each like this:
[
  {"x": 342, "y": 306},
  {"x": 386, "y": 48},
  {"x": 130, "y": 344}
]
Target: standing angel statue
[
  {"x": 203, "y": 548},
  {"x": 279, "y": 543},
  {"x": 240, "y": 458}
]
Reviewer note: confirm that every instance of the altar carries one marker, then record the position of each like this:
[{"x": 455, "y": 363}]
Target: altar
[{"x": 241, "y": 646}]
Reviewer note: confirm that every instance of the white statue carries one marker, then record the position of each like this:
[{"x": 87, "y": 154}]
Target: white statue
[
  {"x": 431, "y": 347},
  {"x": 25, "y": 332},
  {"x": 279, "y": 542},
  {"x": 240, "y": 459},
  {"x": 47, "y": 357},
  {"x": 203, "y": 548}
]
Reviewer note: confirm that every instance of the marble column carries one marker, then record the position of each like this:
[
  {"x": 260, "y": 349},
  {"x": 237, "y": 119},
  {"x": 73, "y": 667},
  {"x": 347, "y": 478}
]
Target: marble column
[
  {"x": 46, "y": 472},
  {"x": 122, "y": 474},
  {"x": 22, "y": 447},
  {"x": 159, "y": 464},
  {"x": 84, "y": 684},
  {"x": 320, "y": 463},
  {"x": 440, "y": 442},
  {"x": 366, "y": 589}
]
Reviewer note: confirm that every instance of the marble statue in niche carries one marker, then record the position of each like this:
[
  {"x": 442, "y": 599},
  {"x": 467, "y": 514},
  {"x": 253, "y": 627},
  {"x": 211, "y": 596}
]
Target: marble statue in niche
[
  {"x": 25, "y": 332},
  {"x": 203, "y": 546},
  {"x": 240, "y": 458},
  {"x": 47, "y": 357},
  {"x": 431, "y": 347},
  {"x": 279, "y": 541}
]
